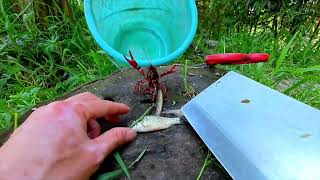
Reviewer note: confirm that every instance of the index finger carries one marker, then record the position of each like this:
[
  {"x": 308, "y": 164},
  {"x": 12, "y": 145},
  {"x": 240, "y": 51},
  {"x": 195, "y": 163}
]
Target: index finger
[{"x": 91, "y": 107}]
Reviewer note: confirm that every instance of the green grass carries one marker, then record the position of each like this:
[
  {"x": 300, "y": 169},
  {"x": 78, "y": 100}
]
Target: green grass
[
  {"x": 123, "y": 168},
  {"x": 122, "y": 164},
  {"x": 292, "y": 58},
  {"x": 39, "y": 65},
  {"x": 206, "y": 163},
  {"x": 210, "y": 160}
]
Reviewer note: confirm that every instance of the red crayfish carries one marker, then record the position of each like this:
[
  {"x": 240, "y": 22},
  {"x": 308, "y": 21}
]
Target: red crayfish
[{"x": 152, "y": 79}]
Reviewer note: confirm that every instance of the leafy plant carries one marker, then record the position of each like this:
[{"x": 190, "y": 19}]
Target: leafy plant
[
  {"x": 284, "y": 53},
  {"x": 39, "y": 64},
  {"x": 206, "y": 163},
  {"x": 122, "y": 165},
  {"x": 188, "y": 89},
  {"x": 117, "y": 173}
]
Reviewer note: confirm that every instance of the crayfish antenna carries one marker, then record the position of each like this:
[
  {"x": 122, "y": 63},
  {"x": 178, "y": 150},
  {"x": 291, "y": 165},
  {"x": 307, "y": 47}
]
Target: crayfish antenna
[{"x": 134, "y": 63}]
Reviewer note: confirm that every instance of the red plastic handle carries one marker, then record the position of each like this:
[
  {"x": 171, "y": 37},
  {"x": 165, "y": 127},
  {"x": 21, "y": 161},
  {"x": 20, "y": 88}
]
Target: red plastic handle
[{"x": 236, "y": 58}]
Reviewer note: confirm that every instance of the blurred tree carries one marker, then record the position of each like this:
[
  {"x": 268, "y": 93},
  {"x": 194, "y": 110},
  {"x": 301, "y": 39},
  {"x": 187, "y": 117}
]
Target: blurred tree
[
  {"x": 277, "y": 16},
  {"x": 44, "y": 8}
]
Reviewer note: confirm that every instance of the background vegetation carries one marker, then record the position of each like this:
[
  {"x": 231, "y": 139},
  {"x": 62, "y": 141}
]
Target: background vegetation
[{"x": 47, "y": 49}]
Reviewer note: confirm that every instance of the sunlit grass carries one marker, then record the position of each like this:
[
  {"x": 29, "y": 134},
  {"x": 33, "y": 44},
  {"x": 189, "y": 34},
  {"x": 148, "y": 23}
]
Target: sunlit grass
[
  {"x": 292, "y": 58},
  {"x": 41, "y": 64}
]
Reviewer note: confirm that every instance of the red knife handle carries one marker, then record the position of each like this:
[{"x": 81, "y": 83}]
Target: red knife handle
[
  {"x": 254, "y": 58},
  {"x": 236, "y": 58}
]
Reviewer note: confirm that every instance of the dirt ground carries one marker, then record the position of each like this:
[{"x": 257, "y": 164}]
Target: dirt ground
[{"x": 174, "y": 153}]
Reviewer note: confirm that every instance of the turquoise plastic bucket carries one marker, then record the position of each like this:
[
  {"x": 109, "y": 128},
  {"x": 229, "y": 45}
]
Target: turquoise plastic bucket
[{"x": 156, "y": 31}]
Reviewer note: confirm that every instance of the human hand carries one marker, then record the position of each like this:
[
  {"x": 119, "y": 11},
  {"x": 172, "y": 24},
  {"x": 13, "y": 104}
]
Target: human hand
[{"x": 62, "y": 140}]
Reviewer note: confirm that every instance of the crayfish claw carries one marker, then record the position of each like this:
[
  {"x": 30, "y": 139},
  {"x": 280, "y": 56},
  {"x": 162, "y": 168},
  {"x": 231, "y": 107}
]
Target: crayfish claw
[
  {"x": 130, "y": 53},
  {"x": 133, "y": 63},
  {"x": 170, "y": 71}
]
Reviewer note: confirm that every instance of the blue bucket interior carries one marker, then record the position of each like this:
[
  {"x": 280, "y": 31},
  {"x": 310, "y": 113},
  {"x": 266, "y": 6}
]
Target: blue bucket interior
[{"x": 155, "y": 31}]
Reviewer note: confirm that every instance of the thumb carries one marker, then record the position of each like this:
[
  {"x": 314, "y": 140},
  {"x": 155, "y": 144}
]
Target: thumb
[{"x": 114, "y": 138}]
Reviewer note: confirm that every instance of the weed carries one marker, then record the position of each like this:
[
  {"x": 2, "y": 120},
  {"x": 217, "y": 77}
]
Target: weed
[
  {"x": 292, "y": 57},
  {"x": 117, "y": 173},
  {"x": 206, "y": 163},
  {"x": 122, "y": 164},
  {"x": 188, "y": 90},
  {"x": 40, "y": 64}
]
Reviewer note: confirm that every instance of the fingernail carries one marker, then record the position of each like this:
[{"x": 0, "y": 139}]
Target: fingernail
[
  {"x": 131, "y": 134},
  {"x": 125, "y": 105}
]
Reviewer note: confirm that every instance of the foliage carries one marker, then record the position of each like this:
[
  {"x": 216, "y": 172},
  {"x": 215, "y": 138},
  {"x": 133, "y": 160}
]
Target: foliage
[
  {"x": 293, "y": 58},
  {"x": 41, "y": 64},
  {"x": 210, "y": 160},
  {"x": 117, "y": 173},
  {"x": 221, "y": 16},
  {"x": 122, "y": 164},
  {"x": 43, "y": 58}
]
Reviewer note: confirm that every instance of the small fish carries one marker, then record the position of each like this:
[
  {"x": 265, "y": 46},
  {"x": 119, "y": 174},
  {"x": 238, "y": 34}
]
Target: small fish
[{"x": 155, "y": 123}]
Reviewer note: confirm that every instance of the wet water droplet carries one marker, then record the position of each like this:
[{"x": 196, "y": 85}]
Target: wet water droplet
[
  {"x": 245, "y": 101},
  {"x": 306, "y": 135}
]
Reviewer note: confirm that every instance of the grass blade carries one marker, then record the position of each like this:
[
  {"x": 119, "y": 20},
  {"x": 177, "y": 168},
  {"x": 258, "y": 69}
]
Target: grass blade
[
  {"x": 307, "y": 69},
  {"x": 117, "y": 173},
  {"x": 147, "y": 112},
  {"x": 185, "y": 71},
  {"x": 23, "y": 11},
  {"x": 111, "y": 175},
  {"x": 139, "y": 157},
  {"x": 284, "y": 53},
  {"x": 302, "y": 81},
  {"x": 204, "y": 165},
  {"x": 16, "y": 121},
  {"x": 122, "y": 165}
]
